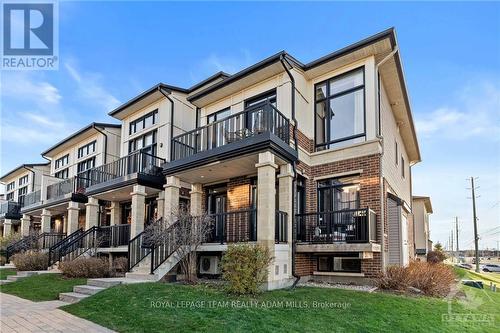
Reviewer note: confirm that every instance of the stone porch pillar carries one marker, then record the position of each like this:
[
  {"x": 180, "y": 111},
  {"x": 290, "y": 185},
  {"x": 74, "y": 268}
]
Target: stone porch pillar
[
  {"x": 72, "y": 219},
  {"x": 116, "y": 214},
  {"x": 65, "y": 223},
  {"x": 172, "y": 189},
  {"x": 160, "y": 204},
  {"x": 7, "y": 227},
  {"x": 46, "y": 218},
  {"x": 25, "y": 225},
  {"x": 266, "y": 204},
  {"x": 91, "y": 213},
  {"x": 137, "y": 210},
  {"x": 285, "y": 188},
  {"x": 196, "y": 199}
]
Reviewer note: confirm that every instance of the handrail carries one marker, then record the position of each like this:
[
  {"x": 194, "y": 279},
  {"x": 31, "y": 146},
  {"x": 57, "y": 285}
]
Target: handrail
[
  {"x": 234, "y": 226},
  {"x": 79, "y": 245},
  {"x": 30, "y": 242},
  {"x": 162, "y": 251},
  {"x": 55, "y": 250}
]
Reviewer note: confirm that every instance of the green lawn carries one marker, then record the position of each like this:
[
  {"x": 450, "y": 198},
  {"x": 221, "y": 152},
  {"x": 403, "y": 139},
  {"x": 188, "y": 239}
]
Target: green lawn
[
  {"x": 43, "y": 287},
  {"x": 4, "y": 272},
  {"x": 128, "y": 308}
]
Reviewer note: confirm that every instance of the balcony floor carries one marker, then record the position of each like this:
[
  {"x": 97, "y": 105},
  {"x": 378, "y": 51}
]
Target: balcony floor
[{"x": 338, "y": 247}]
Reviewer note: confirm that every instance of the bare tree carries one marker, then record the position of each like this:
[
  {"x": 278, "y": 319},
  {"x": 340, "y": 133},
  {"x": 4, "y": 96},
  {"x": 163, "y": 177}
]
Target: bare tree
[{"x": 180, "y": 235}]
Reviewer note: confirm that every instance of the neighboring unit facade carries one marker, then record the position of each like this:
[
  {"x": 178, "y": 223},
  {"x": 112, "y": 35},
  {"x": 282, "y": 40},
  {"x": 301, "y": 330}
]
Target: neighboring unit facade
[
  {"x": 422, "y": 209},
  {"x": 19, "y": 183},
  {"x": 312, "y": 161}
]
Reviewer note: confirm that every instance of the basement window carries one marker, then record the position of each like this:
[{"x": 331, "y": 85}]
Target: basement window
[{"x": 341, "y": 262}]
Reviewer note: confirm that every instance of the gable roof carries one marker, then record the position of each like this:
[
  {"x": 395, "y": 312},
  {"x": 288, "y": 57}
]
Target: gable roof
[{"x": 22, "y": 166}]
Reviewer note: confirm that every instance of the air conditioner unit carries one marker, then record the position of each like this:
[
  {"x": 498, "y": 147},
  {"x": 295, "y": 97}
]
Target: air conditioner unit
[{"x": 209, "y": 265}]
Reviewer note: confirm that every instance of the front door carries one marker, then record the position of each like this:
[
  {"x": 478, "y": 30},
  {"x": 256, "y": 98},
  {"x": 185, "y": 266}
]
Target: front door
[{"x": 217, "y": 204}]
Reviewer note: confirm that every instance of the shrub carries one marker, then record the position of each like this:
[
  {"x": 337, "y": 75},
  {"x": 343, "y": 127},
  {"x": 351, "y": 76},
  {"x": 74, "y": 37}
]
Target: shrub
[
  {"x": 3, "y": 261},
  {"x": 431, "y": 279},
  {"x": 120, "y": 265},
  {"x": 31, "y": 261},
  {"x": 435, "y": 257},
  {"x": 85, "y": 268},
  {"x": 245, "y": 268},
  {"x": 9, "y": 239}
]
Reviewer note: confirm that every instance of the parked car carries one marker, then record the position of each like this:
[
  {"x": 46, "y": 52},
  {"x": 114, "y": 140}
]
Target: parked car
[{"x": 491, "y": 268}]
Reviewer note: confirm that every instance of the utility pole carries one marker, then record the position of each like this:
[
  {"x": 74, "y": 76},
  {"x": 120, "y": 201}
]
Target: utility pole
[
  {"x": 451, "y": 246},
  {"x": 456, "y": 234},
  {"x": 474, "y": 218}
]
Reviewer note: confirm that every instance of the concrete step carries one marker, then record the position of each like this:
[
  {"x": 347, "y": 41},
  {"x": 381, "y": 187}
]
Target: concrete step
[
  {"x": 72, "y": 297},
  {"x": 87, "y": 290},
  {"x": 27, "y": 273},
  {"x": 5, "y": 281},
  {"x": 104, "y": 283},
  {"x": 13, "y": 278},
  {"x": 141, "y": 276}
]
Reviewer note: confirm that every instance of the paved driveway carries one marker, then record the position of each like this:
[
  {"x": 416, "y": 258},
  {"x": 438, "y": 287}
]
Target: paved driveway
[{"x": 20, "y": 315}]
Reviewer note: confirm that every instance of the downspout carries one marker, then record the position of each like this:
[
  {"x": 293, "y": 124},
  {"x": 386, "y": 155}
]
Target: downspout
[
  {"x": 381, "y": 178},
  {"x": 32, "y": 178},
  {"x": 105, "y": 143},
  {"x": 167, "y": 96},
  {"x": 294, "y": 167}
]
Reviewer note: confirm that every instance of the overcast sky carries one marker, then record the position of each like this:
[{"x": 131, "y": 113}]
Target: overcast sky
[{"x": 110, "y": 52}]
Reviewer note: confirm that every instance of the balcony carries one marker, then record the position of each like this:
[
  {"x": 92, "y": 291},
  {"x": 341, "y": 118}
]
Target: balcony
[
  {"x": 254, "y": 129},
  {"x": 10, "y": 210},
  {"x": 139, "y": 167},
  {"x": 69, "y": 188},
  {"x": 348, "y": 230},
  {"x": 31, "y": 199}
]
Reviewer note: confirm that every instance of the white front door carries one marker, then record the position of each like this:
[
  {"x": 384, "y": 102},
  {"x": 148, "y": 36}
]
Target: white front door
[{"x": 405, "y": 255}]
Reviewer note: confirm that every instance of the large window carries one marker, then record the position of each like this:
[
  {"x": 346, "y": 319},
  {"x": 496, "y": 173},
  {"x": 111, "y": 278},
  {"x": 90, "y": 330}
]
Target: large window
[
  {"x": 340, "y": 110},
  {"x": 23, "y": 180},
  {"x": 86, "y": 165},
  {"x": 269, "y": 96},
  {"x": 143, "y": 122},
  {"x": 10, "y": 196},
  {"x": 22, "y": 191},
  {"x": 338, "y": 194},
  {"x": 10, "y": 186},
  {"x": 87, "y": 149},
  {"x": 63, "y": 174},
  {"x": 146, "y": 143},
  {"x": 60, "y": 162},
  {"x": 219, "y": 115},
  {"x": 341, "y": 262}
]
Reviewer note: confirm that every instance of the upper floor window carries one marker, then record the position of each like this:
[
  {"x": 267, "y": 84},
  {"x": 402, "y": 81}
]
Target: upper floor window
[
  {"x": 10, "y": 196},
  {"x": 146, "y": 143},
  {"x": 86, "y": 165},
  {"x": 211, "y": 118},
  {"x": 63, "y": 174},
  {"x": 23, "y": 180},
  {"x": 11, "y": 186},
  {"x": 87, "y": 149},
  {"x": 143, "y": 122},
  {"x": 338, "y": 194},
  {"x": 22, "y": 191},
  {"x": 269, "y": 96},
  {"x": 60, "y": 162},
  {"x": 340, "y": 110},
  {"x": 402, "y": 167}
]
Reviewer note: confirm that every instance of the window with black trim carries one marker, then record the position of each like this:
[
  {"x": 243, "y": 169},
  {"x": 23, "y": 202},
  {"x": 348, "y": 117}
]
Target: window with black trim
[
  {"x": 341, "y": 262},
  {"x": 87, "y": 149},
  {"x": 10, "y": 196},
  {"x": 268, "y": 96},
  {"x": 146, "y": 143},
  {"x": 22, "y": 191},
  {"x": 336, "y": 194},
  {"x": 86, "y": 165},
  {"x": 143, "y": 122},
  {"x": 63, "y": 174},
  {"x": 23, "y": 180},
  {"x": 62, "y": 161},
  {"x": 219, "y": 115},
  {"x": 340, "y": 110},
  {"x": 11, "y": 186}
]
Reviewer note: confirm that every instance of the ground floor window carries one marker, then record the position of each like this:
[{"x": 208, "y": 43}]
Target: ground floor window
[{"x": 342, "y": 262}]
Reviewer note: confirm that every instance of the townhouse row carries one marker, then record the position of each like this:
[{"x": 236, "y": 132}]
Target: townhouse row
[{"x": 311, "y": 160}]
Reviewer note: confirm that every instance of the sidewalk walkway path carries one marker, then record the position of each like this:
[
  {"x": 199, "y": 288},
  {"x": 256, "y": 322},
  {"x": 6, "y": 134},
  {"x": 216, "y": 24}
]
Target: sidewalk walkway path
[{"x": 20, "y": 315}]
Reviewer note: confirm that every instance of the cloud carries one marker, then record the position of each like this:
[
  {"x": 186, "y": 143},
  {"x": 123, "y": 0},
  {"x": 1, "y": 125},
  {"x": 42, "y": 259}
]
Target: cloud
[
  {"x": 475, "y": 114},
  {"x": 90, "y": 89},
  {"x": 227, "y": 63},
  {"x": 43, "y": 120},
  {"x": 30, "y": 88}
]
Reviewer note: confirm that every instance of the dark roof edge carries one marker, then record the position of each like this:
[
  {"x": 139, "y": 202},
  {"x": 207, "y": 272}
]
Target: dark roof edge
[
  {"x": 80, "y": 131},
  {"x": 209, "y": 79},
  {"x": 146, "y": 93},
  {"x": 27, "y": 165}
]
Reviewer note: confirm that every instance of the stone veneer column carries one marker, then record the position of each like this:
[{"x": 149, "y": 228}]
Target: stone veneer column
[
  {"x": 65, "y": 223},
  {"x": 72, "y": 219},
  {"x": 172, "y": 188},
  {"x": 160, "y": 204},
  {"x": 137, "y": 210},
  {"x": 285, "y": 188},
  {"x": 91, "y": 213},
  {"x": 196, "y": 193},
  {"x": 46, "y": 219},
  {"x": 7, "y": 227},
  {"x": 266, "y": 204},
  {"x": 25, "y": 225},
  {"x": 116, "y": 213}
]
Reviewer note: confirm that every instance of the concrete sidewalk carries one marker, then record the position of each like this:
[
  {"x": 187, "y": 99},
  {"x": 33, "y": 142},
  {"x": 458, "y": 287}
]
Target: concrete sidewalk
[{"x": 20, "y": 315}]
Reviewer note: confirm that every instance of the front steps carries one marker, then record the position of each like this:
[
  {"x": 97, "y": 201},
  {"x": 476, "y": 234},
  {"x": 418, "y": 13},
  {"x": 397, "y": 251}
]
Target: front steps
[
  {"x": 142, "y": 270},
  {"x": 94, "y": 286},
  {"x": 23, "y": 274}
]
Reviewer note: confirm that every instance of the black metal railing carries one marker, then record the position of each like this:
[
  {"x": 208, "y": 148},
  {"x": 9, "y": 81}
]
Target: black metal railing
[
  {"x": 55, "y": 250},
  {"x": 31, "y": 199},
  {"x": 250, "y": 122},
  {"x": 137, "y": 250},
  {"x": 10, "y": 209},
  {"x": 137, "y": 162},
  {"x": 349, "y": 226},
  {"x": 80, "y": 244},
  {"x": 161, "y": 251},
  {"x": 281, "y": 227},
  {"x": 61, "y": 188},
  {"x": 232, "y": 227},
  {"x": 114, "y": 235},
  {"x": 34, "y": 241}
]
